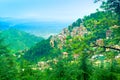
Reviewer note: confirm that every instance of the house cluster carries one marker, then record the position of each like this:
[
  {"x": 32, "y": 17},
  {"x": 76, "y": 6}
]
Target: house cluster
[
  {"x": 108, "y": 34},
  {"x": 78, "y": 31},
  {"x": 61, "y": 38},
  {"x": 100, "y": 42}
]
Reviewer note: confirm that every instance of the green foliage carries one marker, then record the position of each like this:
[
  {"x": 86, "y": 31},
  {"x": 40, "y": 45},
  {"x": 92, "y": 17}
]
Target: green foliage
[
  {"x": 98, "y": 23},
  {"x": 8, "y": 68},
  {"x": 41, "y": 49},
  {"x": 7, "y": 64},
  {"x": 3, "y": 48},
  {"x": 75, "y": 24},
  {"x": 19, "y": 40},
  {"x": 113, "y": 6},
  {"x": 78, "y": 62}
]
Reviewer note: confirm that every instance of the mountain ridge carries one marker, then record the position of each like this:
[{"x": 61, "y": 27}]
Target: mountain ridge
[
  {"x": 38, "y": 28},
  {"x": 19, "y": 40}
]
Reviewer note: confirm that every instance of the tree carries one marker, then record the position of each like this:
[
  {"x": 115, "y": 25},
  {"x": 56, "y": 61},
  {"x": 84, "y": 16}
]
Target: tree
[
  {"x": 80, "y": 45},
  {"x": 113, "y": 6},
  {"x": 8, "y": 66}
]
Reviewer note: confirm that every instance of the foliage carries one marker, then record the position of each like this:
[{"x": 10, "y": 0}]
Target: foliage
[
  {"x": 42, "y": 48},
  {"x": 7, "y": 64},
  {"x": 85, "y": 58},
  {"x": 19, "y": 40},
  {"x": 75, "y": 24}
]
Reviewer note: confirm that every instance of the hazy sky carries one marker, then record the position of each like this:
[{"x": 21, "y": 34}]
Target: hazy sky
[{"x": 61, "y": 10}]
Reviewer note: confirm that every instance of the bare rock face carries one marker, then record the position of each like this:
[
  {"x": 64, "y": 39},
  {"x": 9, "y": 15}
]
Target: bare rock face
[{"x": 60, "y": 39}]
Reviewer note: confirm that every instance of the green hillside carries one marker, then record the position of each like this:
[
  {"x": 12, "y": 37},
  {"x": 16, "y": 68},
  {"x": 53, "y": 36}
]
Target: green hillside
[
  {"x": 93, "y": 28},
  {"x": 19, "y": 40},
  {"x": 81, "y": 52},
  {"x": 88, "y": 49}
]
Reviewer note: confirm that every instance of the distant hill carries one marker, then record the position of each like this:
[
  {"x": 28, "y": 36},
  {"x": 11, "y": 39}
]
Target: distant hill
[
  {"x": 19, "y": 40},
  {"x": 38, "y": 28}
]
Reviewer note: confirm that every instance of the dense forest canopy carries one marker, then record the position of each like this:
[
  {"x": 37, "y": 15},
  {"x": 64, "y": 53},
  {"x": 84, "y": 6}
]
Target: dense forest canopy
[{"x": 19, "y": 40}]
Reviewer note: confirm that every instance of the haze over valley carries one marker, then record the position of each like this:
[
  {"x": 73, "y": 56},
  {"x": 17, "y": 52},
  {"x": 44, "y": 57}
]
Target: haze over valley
[{"x": 39, "y": 28}]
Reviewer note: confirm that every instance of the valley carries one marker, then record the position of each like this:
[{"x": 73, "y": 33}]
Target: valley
[
  {"x": 38, "y": 28},
  {"x": 85, "y": 49}
]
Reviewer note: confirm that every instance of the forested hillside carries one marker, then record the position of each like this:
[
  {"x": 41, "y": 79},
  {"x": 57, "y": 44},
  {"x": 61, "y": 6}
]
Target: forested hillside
[
  {"x": 19, "y": 40},
  {"x": 88, "y": 49},
  {"x": 96, "y": 29}
]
